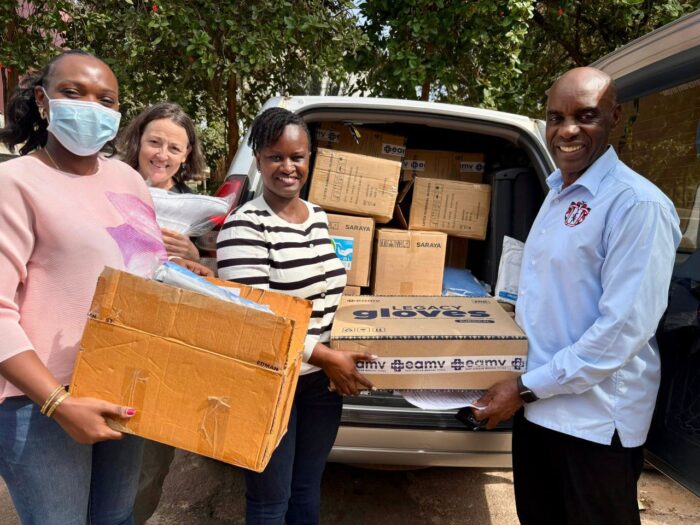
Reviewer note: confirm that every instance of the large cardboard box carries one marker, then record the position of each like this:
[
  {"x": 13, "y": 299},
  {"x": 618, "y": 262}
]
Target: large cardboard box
[
  {"x": 434, "y": 164},
  {"x": 470, "y": 167},
  {"x": 355, "y": 184},
  {"x": 360, "y": 140},
  {"x": 352, "y": 237},
  {"x": 204, "y": 375},
  {"x": 431, "y": 342},
  {"x": 408, "y": 262},
  {"x": 352, "y": 290},
  {"x": 428, "y": 163},
  {"x": 457, "y": 208}
]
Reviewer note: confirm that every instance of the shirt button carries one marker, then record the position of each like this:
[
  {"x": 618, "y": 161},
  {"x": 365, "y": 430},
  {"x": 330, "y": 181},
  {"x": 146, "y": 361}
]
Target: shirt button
[
  {"x": 532, "y": 263},
  {"x": 323, "y": 296},
  {"x": 543, "y": 232},
  {"x": 311, "y": 245},
  {"x": 556, "y": 201}
]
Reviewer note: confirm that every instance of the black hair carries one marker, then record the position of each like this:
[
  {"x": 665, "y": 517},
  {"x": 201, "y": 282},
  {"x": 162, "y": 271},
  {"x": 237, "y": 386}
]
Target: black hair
[
  {"x": 23, "y": 123},
  {"x": 269, "y": 125}
]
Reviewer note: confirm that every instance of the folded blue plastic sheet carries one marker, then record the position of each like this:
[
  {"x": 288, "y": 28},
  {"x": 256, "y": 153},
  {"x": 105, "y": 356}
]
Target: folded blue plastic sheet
[{"x": 461, "y": 282}]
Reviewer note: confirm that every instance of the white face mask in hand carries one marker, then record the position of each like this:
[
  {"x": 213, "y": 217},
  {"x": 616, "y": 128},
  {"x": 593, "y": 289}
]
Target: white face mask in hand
[{"x": 83, "y": 128}]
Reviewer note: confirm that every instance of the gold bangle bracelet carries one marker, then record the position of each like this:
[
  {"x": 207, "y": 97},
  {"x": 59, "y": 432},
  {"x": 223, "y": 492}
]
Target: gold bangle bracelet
[
  {"x": 51, "y": 398},
  {"x": 56, "y": 403}
]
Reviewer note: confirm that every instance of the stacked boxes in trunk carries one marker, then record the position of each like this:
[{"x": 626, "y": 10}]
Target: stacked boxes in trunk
[
  {"x": 426, "y": 336},
  {"x": 357, "y": 176}
]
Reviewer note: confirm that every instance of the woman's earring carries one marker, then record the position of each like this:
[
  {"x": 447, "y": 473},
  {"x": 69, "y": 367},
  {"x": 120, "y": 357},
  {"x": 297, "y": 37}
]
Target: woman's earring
[{"x": 42, "y": 113}]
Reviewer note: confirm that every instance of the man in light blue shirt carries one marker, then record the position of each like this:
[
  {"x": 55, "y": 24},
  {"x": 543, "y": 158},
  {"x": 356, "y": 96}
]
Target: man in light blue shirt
[{"x": 594, "y": 283}]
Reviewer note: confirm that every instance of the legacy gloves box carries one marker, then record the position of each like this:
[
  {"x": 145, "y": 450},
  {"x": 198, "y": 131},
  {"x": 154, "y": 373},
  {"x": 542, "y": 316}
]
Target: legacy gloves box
[{"x": 431, "y": 342}]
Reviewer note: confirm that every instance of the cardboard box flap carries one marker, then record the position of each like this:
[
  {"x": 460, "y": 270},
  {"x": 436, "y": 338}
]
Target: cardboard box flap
[
  {"x": 141, "y": 305},
  {"x": 289, "y": 306}
]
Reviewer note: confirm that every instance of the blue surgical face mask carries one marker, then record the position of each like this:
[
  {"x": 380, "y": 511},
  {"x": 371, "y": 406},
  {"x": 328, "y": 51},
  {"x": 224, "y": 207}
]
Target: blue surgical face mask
[{"x": 83, "y": 128}]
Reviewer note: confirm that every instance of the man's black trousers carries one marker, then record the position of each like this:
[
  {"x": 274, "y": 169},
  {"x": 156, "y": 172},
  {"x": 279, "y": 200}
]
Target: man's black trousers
[{"x": 560, "y": 479}]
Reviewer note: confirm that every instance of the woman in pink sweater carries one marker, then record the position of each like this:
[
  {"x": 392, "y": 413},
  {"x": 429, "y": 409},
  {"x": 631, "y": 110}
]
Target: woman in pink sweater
[{"x": 65, "y": 213}]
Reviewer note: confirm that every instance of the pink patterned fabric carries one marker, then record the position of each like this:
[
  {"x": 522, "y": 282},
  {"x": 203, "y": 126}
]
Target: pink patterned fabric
[{"x": 57, "y": 232}]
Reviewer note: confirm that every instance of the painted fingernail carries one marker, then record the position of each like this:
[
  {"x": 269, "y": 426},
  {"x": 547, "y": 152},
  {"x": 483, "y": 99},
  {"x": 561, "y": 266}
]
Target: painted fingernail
[
  {"x": 374, "y": 356},
  {"x": 130, "y": 411},
  {"x": 374, "y": 388}
]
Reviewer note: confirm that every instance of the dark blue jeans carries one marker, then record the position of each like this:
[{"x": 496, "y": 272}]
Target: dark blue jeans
[
  {"x": 289, "y": 489},
  {"x": 54, "y": 480}
]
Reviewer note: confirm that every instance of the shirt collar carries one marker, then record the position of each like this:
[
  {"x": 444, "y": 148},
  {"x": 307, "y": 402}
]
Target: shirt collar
[{"x": 592, "y": 177}]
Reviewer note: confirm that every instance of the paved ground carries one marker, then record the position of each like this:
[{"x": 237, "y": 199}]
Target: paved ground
[{"x": 199, "y": 491}]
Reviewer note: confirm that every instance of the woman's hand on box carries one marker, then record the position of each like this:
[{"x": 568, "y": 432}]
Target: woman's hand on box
[
  {"x": 178, "y": 245},
  {"x": 195, "y": 267},
  {"x": 341, "y": 368},
  {"x": 83, "y": 418}
]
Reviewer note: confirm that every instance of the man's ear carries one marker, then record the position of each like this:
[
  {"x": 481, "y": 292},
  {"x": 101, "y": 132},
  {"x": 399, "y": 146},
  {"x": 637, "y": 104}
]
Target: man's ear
[{"x": 616, "y": 115}]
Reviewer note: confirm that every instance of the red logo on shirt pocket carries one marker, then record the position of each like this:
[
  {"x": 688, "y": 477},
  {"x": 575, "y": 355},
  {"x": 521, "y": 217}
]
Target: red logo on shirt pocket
[{"x": 576, "y": 214}]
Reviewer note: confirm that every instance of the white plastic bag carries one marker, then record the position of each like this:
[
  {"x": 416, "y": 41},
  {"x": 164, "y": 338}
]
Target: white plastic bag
[
  {"x": 190, "y": 214},
  {"x": 509, "y": 270}
]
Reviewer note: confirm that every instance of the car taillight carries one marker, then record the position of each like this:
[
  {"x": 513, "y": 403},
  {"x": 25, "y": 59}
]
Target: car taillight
[
  {"x": 234, "y": 188},
  {"x": 234, "y": 185}
]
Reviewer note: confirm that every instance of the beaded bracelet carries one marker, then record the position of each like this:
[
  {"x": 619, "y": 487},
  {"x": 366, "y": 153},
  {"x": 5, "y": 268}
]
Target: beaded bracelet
[
  {"x": 51, "y": 398},
  {"x": 56, "y": 403}
]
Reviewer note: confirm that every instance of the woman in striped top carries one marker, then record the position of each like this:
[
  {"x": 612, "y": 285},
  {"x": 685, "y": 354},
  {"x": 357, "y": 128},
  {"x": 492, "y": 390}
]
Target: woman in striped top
[{"x": 280, "y": 242}]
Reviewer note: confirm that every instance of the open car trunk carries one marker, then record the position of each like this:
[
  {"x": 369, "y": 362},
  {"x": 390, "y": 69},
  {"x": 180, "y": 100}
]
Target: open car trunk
[{"x": 515, "y": 169}]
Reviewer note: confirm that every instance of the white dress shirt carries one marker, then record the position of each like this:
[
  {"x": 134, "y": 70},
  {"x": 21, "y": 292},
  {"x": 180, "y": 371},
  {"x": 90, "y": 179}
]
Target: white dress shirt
[{"x": 594, "y": 283}]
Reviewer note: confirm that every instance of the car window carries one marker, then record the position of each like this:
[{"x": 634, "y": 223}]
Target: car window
[{"x": 659, "y": 137}]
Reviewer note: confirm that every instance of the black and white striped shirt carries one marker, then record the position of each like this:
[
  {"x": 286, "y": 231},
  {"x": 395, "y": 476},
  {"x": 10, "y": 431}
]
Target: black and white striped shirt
[{"x": 258, "y": 248}]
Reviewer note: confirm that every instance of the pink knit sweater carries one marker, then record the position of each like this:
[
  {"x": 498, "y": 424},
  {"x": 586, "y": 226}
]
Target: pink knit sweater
[{"x": 57, "y": 232}]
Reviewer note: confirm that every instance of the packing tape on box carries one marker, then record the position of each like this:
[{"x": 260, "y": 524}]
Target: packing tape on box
[
  {"x": 214, "y": 420},
  {"x": 443, "y": 365}
]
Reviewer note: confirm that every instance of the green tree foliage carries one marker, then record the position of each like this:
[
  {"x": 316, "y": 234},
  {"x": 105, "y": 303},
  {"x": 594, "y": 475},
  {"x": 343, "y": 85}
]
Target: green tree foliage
[
  {"x": 566, "y": 34},
  {"x": 463, "y": 52},
  {"x": 500, "y": 54},
  {"x": 220, "y": 60},
  {"x": 29, "y": 33}
]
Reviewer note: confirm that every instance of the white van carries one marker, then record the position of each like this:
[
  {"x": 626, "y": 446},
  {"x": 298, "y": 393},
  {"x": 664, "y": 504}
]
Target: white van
[
  {"x": 658, "y": 80},
  {"x": 660, "y": 87}
]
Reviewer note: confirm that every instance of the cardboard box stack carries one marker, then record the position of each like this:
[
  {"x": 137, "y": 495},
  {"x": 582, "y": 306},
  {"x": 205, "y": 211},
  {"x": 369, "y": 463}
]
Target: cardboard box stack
[
  {"x": 424, "y": 339},
  {"x": 204, "y": 375}
]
